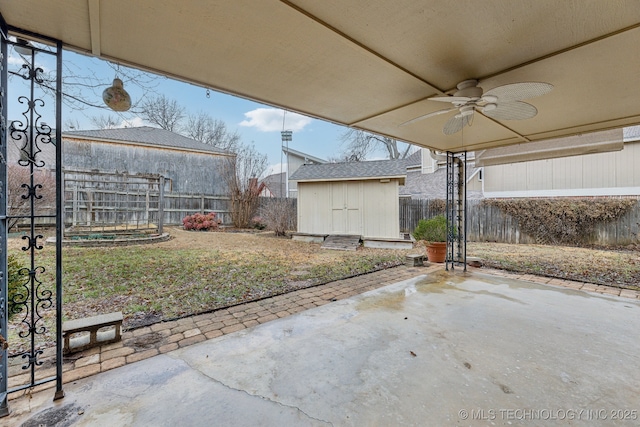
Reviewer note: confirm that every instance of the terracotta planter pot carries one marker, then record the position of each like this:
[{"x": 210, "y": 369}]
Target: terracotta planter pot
[{"x": 437, "y": 251}]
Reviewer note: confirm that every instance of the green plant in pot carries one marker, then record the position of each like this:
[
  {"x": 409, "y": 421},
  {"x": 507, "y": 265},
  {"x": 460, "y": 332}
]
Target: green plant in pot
[{"x": 433, "y": 232}]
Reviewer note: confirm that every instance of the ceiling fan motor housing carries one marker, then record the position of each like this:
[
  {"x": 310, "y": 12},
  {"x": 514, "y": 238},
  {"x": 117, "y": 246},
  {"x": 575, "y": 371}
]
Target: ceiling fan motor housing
[{"x": 469, "y": 89}]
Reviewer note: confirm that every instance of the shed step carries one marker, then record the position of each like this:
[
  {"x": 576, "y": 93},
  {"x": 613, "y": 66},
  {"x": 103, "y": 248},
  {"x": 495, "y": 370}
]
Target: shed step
[{"x": 341, "y": 242}]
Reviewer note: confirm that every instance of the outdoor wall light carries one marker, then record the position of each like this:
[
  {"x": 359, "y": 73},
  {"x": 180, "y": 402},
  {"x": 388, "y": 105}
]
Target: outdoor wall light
[
  {"x": 23, "y": 47},
  {"x": 116, "y": 97}
]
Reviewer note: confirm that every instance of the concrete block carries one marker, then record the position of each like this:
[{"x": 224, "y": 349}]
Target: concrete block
[{"x": 415, "y": 260}]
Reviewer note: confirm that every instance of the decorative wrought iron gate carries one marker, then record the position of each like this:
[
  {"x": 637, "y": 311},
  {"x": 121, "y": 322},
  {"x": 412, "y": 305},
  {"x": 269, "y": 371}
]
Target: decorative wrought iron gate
[
  {"x": 456, "y": 210},
  {"x": 32, "y": 292}
]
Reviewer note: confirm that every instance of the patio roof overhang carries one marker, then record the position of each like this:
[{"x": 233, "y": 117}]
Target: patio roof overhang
[{"x": 372, "y": 64}]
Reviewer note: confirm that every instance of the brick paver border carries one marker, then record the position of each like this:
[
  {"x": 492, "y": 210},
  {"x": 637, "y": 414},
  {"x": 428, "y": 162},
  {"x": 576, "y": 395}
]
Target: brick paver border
[
  {"x": 564, "y": 283},
  {"x": 163, "y": 337}
]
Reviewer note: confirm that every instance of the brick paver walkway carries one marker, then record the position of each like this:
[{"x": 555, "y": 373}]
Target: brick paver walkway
[
  {"x": 564, "y": 283},
  {"x": 142, "y": 343}
]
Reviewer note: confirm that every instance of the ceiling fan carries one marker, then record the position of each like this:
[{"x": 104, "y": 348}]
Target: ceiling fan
[{"x": 500, "y": 103}]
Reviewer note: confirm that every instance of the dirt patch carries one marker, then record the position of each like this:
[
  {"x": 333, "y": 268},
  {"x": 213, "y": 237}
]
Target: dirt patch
[
  {"x": 60, "y": 416},
  {"x": 144, "y": 341},
  {"x": 141, "y": 319}
]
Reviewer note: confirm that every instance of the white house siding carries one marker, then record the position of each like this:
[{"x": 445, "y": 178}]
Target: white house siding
[
  {"x": 603, "y": 174},
  {"x": 474, "y": 184},
  {"x": 367, "y": 207},
  {"x": 293, "y": 163}
]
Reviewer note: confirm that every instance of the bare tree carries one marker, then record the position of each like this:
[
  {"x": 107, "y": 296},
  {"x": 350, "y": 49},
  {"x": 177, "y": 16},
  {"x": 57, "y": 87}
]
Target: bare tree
[
  {"x": 202, "y": 127},
  {"x": 279, "y": 214},
  {"x": 71, "y": 124},
  {"x": 360, "y": 144},
  {"x": 45, "y": 187},
  {"x": 346, "y": 158},
  {"x": 105, "y": 122},
  {"x": 241, "y": 174},
  {"x": 164, "y": 112}
]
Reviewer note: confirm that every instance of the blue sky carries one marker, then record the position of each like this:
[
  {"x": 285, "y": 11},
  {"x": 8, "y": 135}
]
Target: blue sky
[{"x": 256, "y": 123}]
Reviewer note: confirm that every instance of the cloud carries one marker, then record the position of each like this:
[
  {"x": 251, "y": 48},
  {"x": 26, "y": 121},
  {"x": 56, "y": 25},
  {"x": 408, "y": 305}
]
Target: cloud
[
  {"x": 17, "y": 60},
  {"x": 132, "y": 123},
  {"x": 14, "y": 60},
  {"x": 270, "y": 120},
  {"x": 276, "y": 168}
]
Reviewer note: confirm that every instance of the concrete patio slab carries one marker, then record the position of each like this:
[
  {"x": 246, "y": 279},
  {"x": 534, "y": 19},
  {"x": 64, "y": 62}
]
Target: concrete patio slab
[{"x": 439, "y": 349}]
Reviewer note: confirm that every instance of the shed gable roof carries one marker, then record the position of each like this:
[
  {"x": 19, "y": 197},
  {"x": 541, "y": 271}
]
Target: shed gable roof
[
  {"x": 145, "y": 135},
  {"x": 353, "y": 170}
]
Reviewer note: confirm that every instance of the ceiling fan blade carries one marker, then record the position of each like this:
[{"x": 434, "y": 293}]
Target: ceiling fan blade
[
  {"x": 519, "y": 91},
  {"x": 455, "y": 124},
  {"x": 452, "y": 99},
  {"x": 516, "y": 110},
  {"x": 426, "y": 116}
]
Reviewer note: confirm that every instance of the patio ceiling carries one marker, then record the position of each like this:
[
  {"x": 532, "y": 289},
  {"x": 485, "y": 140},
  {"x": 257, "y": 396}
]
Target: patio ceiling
[{"x": 372, "y": 64}]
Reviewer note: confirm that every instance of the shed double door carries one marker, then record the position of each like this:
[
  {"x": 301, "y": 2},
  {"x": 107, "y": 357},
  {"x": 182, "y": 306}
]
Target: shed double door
[{"x": 346, "y": 208}]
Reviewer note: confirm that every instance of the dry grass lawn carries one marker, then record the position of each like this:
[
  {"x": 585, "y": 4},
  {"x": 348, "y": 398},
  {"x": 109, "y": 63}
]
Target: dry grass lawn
[
  {"x": 200, "y": 271},
  {"x": 605, "y": 267}
]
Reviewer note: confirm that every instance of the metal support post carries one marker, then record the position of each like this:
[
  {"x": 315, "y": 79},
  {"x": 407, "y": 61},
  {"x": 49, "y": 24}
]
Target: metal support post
[
  {"x": 4, "y": 372},
  {"x": 32, "y": 296}
]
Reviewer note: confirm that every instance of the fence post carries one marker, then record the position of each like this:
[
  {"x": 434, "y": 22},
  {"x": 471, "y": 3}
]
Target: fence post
[
  {"x": 89, "y": 208},
  {"x": 147, "y": 207},
  {"x": 74, "y": 206},
  {"x": 161, "y": 206}
]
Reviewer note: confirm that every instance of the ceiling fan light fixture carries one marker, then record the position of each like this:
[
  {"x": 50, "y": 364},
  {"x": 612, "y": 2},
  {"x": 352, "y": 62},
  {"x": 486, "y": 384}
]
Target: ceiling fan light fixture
[
  {"x": 467, "y": 110},
  {"x": 23, "y": 47}
]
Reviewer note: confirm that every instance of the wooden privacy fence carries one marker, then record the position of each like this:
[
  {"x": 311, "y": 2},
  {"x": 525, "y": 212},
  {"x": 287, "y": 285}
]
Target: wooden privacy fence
[
  {"x": 97, "y": 200},
  {"x": 413, "y": 210},
  {"x": 285, "y": 208},
  {"x": 177, "y": 206},
  {"x": 489, "y": 224}
]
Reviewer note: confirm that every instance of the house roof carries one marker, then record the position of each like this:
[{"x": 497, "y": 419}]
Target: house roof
[
  {"x": 352, "y": 170},
  {"x": 276, "y": 183},
  {"x": 415, "y": 159},
  {"x": 145, "y": 135},
  {"x": 420, "y": 185},
  {"x": 303, "y": 155}
]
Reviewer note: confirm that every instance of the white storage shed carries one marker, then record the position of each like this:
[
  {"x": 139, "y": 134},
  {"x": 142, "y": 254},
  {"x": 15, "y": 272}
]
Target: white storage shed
[{"x": 359, "y": 198}]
